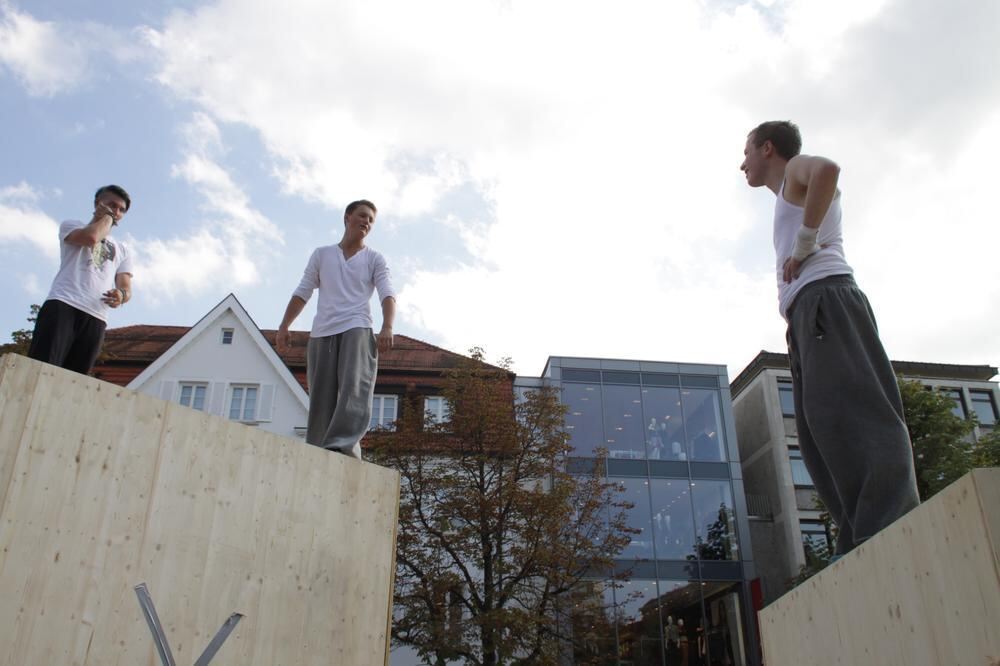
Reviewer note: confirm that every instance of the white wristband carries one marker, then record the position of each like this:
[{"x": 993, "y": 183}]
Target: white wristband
[{"x": 805, "y": 243}]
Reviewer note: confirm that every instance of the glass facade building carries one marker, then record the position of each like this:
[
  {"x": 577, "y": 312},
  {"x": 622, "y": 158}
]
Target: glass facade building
[{"x": 668, "y": 432}]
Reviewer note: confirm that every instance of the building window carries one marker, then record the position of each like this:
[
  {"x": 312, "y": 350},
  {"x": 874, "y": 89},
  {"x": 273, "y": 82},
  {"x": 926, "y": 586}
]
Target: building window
[
  {"x": 243, "y": 403},
  {"x": 435, "y": 410},
  {"x": 786, "y": 399},
  {"x": 227, "y": 336},
  {"x": 383, "y": 412},
  {"x": 800, "y": 475},
  {"x": 673, "y": 519},
  {"x": 193, "y": 395},
  {"x": 958, "y": 406},
  {"x": 816, "y": 542},
  {"x": 703, "y": 424},
  {"x": 984, "y": 407},
  {"x": 584, "y": 421},
  {"x": 714, "y": 520}
]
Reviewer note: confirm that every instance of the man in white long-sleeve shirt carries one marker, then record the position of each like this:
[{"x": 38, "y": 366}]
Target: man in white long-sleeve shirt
[{"x": 342, "y": 357}]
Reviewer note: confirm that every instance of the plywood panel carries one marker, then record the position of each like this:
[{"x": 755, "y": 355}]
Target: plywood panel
[
  {"x": 109, "y": 488},
  {"x": 17, "y": 387},
  {"x": 924, "y": 591}
]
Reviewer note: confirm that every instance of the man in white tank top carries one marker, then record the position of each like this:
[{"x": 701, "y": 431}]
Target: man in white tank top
[{"x": 848, "y": 410}]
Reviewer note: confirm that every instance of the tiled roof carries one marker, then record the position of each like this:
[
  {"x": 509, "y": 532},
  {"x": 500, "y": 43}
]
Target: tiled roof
[{"x": 128, "y": 350}]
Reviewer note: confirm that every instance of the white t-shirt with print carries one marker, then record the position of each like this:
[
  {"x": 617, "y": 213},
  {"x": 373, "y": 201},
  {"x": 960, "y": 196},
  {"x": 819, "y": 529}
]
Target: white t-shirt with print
[{"x": 86, "y": 273}]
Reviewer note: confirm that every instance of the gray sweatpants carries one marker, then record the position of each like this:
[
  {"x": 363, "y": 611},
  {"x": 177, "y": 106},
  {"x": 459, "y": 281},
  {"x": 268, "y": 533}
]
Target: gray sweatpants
[
  {"x": 341, "y": 372},
  {"x": 848, "y": 410}
]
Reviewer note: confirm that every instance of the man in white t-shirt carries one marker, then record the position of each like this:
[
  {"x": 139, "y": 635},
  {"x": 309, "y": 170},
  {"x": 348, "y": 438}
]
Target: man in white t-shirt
[
  {"x": 848, "y": 410},
  {"x": 342, "y": 357},
  {"x": 95, "y": 274}
]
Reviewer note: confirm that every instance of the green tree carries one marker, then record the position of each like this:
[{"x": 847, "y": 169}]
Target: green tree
[
  {"x": 21, "y": 339},
  {"x": 818, "y": 555},
  {"x": 942, "y": 441},
  {"x": 495, "y": 536},
  {"x": 986, "y": 452}
]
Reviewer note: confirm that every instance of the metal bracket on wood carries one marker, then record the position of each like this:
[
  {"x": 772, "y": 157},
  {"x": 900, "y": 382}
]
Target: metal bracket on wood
[{"x": 160, "y": 638}]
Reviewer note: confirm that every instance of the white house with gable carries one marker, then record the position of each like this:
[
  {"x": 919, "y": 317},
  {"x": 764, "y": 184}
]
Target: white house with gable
[{"x": 224, "y": 366}]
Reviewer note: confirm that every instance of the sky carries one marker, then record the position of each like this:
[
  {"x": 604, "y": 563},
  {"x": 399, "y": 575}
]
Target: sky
[{"x": 552, "y": 178}]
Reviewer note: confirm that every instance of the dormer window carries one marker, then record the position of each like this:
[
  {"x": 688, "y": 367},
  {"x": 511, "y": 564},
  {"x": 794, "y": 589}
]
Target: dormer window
[{"x": 227, "y": 336}]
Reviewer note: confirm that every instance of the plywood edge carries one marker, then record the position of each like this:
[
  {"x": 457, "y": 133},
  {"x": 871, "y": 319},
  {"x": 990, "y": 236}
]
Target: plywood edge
[
  {"x": 987, "y": 484},
  {"x": 983, "y": 483},
  {"x": 18, "y": 379},
  {"x": 6, "y": 361},
  {"x": 392, "y": 578}
]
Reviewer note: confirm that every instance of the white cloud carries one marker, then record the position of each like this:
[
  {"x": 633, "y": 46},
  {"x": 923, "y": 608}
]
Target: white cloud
[
  {"x": 51, "y": 58},
  {"x": 604, "y": 145},
  {"x": 233, "y": 237},
  {"x": 31, "y": 285},
  {"x": 44, "y": 58},
  {"x": 21, "y": 220}
]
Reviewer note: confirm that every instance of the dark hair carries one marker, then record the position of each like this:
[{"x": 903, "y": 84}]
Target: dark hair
[
  {"x": 360, "y": 202},
  {"x": 115, "y": 190},
  {"x": 783, "y": 135}
]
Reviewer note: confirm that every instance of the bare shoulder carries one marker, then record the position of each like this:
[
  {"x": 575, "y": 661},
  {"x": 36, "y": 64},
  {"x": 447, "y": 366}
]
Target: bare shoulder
[
  {"x": 799, "y": 172},
  {"x": 796, "y": 180}
]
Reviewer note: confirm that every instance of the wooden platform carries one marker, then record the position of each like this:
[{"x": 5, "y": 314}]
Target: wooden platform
[
  {"x": 925, "y": 591},
  {"x": 102, "y": 488}
]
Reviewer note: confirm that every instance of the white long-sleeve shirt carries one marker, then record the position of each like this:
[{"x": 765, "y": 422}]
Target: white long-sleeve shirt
[{"x": 345, "y": 288}]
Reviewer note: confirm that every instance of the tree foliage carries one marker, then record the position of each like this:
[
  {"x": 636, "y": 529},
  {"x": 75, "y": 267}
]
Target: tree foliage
[
  {"x": 942, "y": 441},
  {"x": 943, "y": 451},
  {"x": 21, "y": 338},
  {"x": 818, "y": 555},
  {"x": 986, "y": 452},
  {"x": 494, "y": 534}
]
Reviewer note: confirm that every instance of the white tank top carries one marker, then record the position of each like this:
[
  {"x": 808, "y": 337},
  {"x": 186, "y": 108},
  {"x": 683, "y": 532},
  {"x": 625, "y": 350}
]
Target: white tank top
[{"x": 823, "y": 263}]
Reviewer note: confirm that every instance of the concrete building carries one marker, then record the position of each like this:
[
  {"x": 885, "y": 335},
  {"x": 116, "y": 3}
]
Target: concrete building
[
  {"x": 670, "y": 439},
  {"x": 785, "y": 526}
]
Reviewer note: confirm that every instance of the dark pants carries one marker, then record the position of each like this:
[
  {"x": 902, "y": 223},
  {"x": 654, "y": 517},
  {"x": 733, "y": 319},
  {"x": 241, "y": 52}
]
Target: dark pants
[
  {"x": 848, "y": 410},
  {"x": 66, "y": 337}
]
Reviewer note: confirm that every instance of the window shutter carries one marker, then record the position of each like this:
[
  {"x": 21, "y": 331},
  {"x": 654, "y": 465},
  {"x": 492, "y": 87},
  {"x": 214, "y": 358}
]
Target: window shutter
[
  {"x": 265, "y": 407},
  {"x": 218, "y": 399},
  {"x": 167, "y": 391}
]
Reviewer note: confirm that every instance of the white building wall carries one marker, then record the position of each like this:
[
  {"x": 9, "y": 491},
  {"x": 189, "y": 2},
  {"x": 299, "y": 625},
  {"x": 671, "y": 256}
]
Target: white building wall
[{"x": 206, "y": 360}]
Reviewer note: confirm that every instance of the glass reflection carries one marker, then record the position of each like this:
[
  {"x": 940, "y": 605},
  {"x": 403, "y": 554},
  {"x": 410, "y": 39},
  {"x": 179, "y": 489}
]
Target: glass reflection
[
  {"x": 680, "y": 610},
  {"x": 661, "y": 409},
  {"x": 724, "y": 632},
  {"x": 584, "y": 422},
  {"x": 592, "y": 623},
  {"x": 704, "y": 431},
  {"x": 714, "y": 519},
  {"x": 673, "y": 521},
  {"x": 638, "y": 623},
  {"x": 636, "y": 491},
  {"x": 623, "y": 430}
]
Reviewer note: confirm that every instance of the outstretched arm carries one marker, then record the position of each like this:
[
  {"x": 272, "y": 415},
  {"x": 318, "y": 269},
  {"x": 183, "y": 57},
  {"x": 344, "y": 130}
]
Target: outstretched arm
[
  {"x": 388, "y": 317},
  {"x": 292, "y": 310},
  {"x": 817, "y": 177}
]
